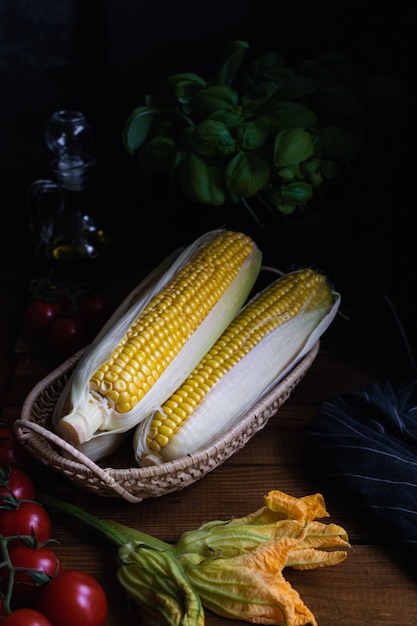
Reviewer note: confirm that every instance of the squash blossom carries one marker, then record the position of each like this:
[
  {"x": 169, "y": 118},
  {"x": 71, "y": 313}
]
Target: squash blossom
[
  {"x": 233, "y": 568},
  {"x": 236, "y": 567},
  {"x": 149, "y": 570}
]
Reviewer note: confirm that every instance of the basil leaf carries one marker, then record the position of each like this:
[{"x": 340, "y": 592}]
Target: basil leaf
[
  {"x": 252, "y": 135},
  {"x": 212, "y": 138},
  {"x": 179, "y": 88},
  {"x": 136, "y": 129},
  {"x": 297, "y": 193},
  {"x": 212, "y": 99},
  {"x": 290, "y": 115},
  {"x": 339, "y": 142},
  {"x": 246, "y": 174},
  {"x": 201, "y": 182},
  {"x": 292, "y": 146},
  {"x": 158, "y": 155},
  {"x": 231, "y": 61}
]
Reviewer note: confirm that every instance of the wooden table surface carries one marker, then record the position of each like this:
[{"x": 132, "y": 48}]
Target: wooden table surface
[{"x": 372, "y": 586}]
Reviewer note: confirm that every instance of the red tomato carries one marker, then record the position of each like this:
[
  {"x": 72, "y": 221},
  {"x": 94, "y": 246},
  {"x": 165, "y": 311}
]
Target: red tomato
[
  {"x": 15, "y": 481},
  {"x": 67, "y": 335},
  {"x": 74, "y": 597},
  {"x": 25, "y": 617},
  {"x": 93, "y": 310},
  {"x": 11, "y": 452},
  {"x": 40, "y": 315},
  {"x": 27, "y": 585},
  {"x": 25, "y": 519}
]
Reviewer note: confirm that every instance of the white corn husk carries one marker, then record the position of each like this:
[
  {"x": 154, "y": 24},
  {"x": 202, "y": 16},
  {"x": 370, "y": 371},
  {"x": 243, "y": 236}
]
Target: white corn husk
[
  {"x": 105, "y": 427},
  {"x": 241, "y": 387}
]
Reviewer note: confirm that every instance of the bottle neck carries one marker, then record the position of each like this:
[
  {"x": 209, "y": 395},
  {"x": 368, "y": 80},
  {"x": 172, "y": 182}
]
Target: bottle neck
[{"x": 73, "y": 173}]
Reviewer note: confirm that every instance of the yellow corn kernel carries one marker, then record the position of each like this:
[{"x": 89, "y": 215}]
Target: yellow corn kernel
[
  {"x": 170, "y": 318},
  {"x": 304, "y": 295},
  {"x": 172, "y": 328}
]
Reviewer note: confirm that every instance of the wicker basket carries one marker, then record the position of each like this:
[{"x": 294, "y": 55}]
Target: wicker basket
[{"x": 135, "y": 483}]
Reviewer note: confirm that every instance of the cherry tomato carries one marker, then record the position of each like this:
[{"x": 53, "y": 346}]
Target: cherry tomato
[
  {"x": 11, "y": 451},
  {"x": 93, "y": 310},
  {"x": 40, "y": 316},
  {"x": 27, "y": 585},
  {"x": 25, "y": 617},
  {"x": 26, "y": 518},
  {"x": 15, "y": 481},
  {"x": 74, "y": 597},
  {"x": 67, "y": 335}
]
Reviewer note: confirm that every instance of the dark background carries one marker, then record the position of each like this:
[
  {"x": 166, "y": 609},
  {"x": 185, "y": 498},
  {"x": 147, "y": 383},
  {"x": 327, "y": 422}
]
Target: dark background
[{"x": 103, "y": 56}]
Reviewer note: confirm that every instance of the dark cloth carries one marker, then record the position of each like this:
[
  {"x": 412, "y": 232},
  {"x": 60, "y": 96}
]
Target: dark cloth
[{"x": 365, "y": 442}]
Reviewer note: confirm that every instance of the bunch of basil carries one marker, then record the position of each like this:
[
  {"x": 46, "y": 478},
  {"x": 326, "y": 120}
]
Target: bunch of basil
[{"x": 271, "y": 132}]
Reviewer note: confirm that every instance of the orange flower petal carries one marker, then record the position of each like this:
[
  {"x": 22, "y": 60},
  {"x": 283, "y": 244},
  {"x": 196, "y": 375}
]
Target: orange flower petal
[{"x": 302, "y": 509}]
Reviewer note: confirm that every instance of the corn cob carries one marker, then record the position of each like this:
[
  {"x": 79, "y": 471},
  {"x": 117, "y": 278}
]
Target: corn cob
[
  {"x": 155, "y": 339},
  {"x": 265, "y": 340}
]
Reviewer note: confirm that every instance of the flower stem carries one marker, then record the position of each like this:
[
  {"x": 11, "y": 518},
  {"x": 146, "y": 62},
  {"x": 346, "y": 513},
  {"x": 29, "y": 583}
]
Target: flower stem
[{"x": 114, "y": 532}]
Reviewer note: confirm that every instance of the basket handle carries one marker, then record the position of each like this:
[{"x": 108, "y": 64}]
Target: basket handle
[{"x": 21, "y": 426}]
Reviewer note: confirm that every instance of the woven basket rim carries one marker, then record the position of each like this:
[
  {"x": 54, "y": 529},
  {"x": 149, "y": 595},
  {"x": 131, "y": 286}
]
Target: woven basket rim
[{"x": 30, "y": 432}]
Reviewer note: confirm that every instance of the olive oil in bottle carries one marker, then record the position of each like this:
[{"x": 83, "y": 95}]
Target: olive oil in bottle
[{"x": 70, "y": 241}]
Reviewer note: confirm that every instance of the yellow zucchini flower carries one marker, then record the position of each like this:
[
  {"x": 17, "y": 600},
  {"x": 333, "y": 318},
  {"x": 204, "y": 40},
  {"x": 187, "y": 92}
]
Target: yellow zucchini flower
[
  {"x": 234, "y": 568},
  {"x": 250, "y": 586}
]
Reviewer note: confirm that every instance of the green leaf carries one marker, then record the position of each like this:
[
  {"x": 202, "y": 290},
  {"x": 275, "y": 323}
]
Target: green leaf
[
  {"x": 339, "y": 142},
  {"x": 292, "y": 146},
  {"x": 228, "y": 118},
  {"x": 269, "y": 66},
  {"x": 212, "y": 99},
  {"x": 330, "y": 170},
  {"x": 258, "y": 98},
  {"x": 286, "y": 208},
  {"x": 246, "y": 174},
  {"x": 297, "y": 193},
  {"x": 341, "y": 100},
  {"x": 330, "y": 68},
  {"x": 179, "y": 88},
  {"x": 296, "y": 88},
  {"x": 286, "y": 173},
  {"x": 290, "y": 115},
  {"x": 259, "y": 95},
  {"x": 137, "y": 127},
  {"x": 231, "y": 61},
  {"x": 252, "y": 135},
  {"x": 201, "y": 182},
  {"x": 311, "y": 166},
  {"x": 212, "y": 138},
  {"x": 158, "y": 155}
]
